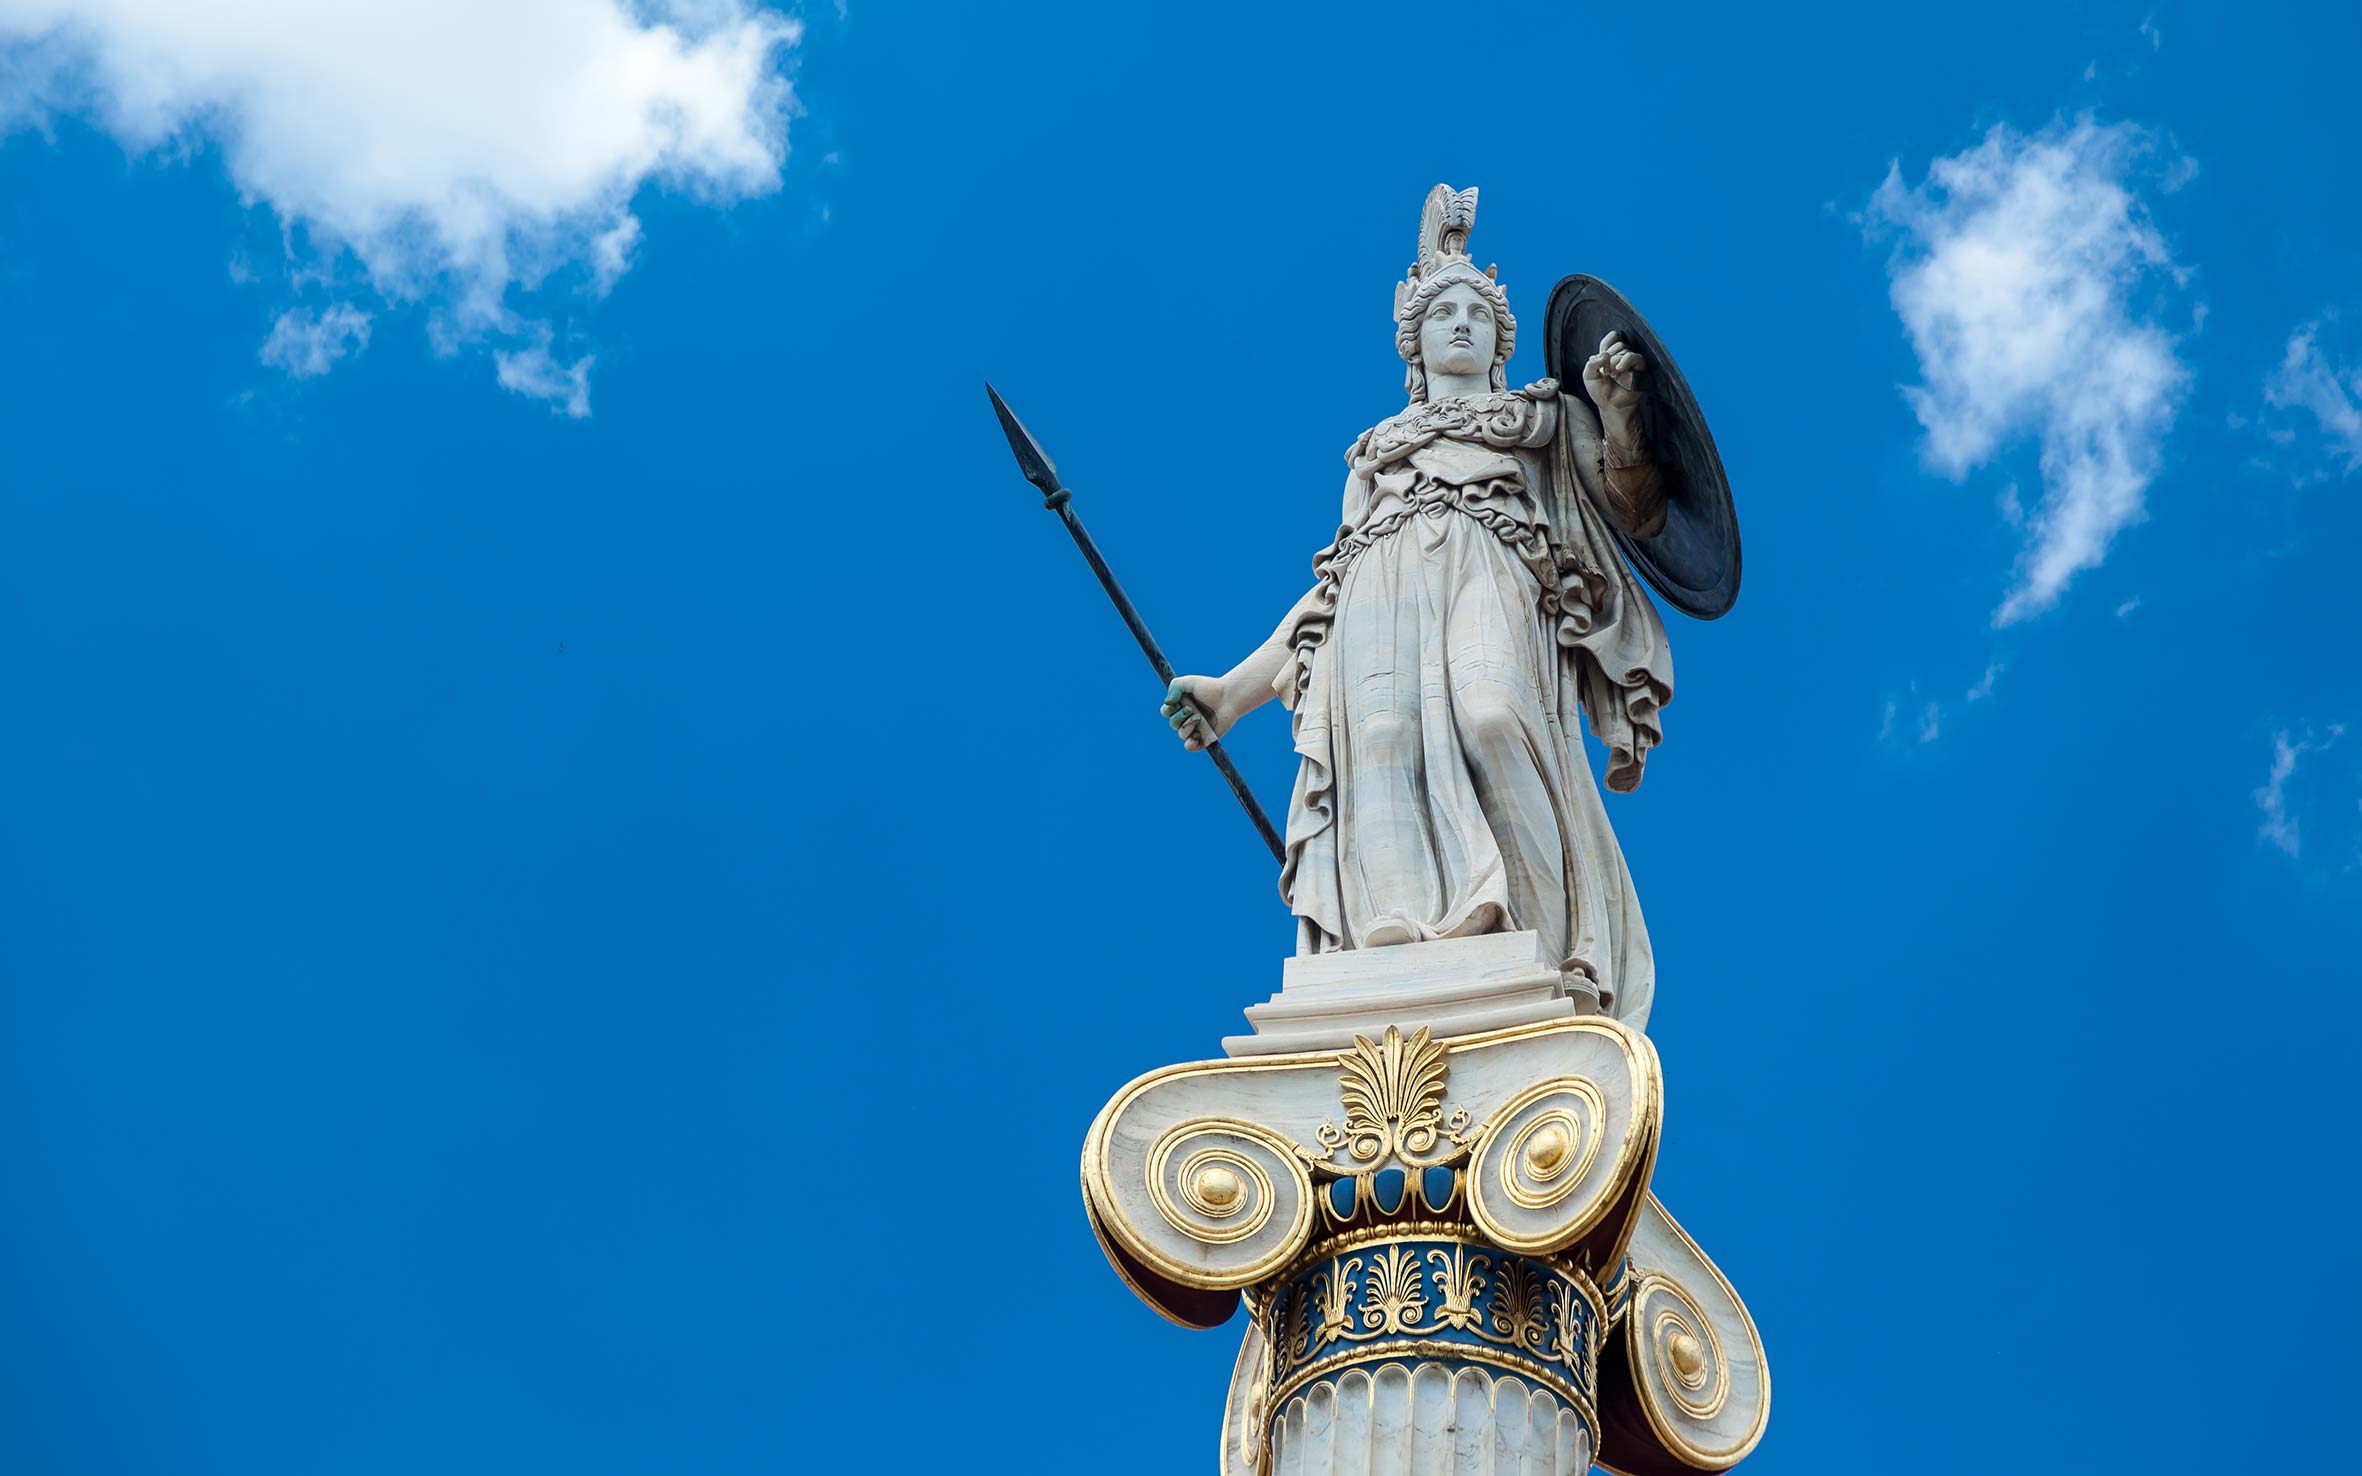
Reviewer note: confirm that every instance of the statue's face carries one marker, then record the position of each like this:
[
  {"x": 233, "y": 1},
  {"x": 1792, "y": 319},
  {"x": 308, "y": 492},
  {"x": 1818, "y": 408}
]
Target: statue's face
[{"x": 1459, "y": 334}]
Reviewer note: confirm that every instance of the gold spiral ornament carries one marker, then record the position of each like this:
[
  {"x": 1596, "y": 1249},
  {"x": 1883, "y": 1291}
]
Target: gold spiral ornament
[
  {"x": 1221, "y": 1182},
  {"x": 1246, "y": 1423},
  {"x": 1545, "y": 1144},
  {"x": 1547, "y": 1156},
  {"x": 1549, "y": 1149},
  {"x": 1216, "y": 1182},
  {"x": 1689, "y": 1358},
  {"x": 1684, "y": 1348}
]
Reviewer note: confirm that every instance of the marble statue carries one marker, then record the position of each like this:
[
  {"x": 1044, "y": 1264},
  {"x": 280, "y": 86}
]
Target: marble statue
[
  {"x": 1469, "y": 615},
  {"x": 1426, "y": 1174}
]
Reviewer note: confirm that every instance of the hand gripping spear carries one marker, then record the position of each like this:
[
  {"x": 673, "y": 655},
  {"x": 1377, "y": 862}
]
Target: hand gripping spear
[{"x": 1036, "y": 464}]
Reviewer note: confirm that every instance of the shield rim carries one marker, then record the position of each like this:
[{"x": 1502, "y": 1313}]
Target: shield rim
[{"x": 1715, "y": 601}]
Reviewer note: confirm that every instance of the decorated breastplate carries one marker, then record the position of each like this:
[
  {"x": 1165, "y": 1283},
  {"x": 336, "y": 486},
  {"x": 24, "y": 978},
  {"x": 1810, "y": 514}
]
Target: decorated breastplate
[
  {"x": 1453, "y": 456},
  {"x": 1503, "y": 420}
]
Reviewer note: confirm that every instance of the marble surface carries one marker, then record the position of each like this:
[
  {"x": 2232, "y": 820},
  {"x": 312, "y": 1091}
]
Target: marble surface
[
  {"x": 1275, "y": 1124},
  {"x": 1426, "y": 1420},
  {"x": 1450, "y": 1104},
  {"x": 1453, "y": 986},
  {"x": 1699, "y": 1380},
  {"x": 1471, "y": 617}
]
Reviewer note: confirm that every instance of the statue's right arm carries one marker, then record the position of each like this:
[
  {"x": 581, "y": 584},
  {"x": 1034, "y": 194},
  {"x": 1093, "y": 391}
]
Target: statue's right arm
[
  {"x": 1202, "y": 709},
  {"x": 1193, "y": 703}
]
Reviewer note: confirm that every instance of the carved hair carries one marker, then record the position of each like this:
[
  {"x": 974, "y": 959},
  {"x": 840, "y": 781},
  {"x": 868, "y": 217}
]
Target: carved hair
[
  {"x": 1443, "y": 262},
  {"x": 1414, "y": 309}
]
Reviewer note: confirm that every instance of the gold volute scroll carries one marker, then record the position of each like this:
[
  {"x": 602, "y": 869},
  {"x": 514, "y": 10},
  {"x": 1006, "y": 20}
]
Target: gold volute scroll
[
  {"x": 1208, "y": 1177},
  {"x": 1691, "y": 1390},
  {"x": 1218, "y": 1189},
  {"x": 1547, "y": 1151},
  {"x": 1689, "y": 1357},
  {"x": 1566, "y": 1161}
]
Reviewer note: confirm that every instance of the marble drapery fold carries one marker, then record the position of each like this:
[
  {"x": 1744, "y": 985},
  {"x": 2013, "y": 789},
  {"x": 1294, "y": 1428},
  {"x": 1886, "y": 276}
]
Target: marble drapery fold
[{"x": 1469, "y": 614}]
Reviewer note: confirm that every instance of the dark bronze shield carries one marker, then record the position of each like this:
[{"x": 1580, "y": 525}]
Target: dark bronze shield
[{"x": 1694, "y": 561}]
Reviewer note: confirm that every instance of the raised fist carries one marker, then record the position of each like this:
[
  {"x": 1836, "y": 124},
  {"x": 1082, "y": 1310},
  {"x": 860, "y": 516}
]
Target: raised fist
[{"x": 1612, "y": 376}]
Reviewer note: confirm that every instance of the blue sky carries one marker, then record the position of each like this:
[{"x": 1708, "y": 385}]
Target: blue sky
[{"x": 581, "y": 853}]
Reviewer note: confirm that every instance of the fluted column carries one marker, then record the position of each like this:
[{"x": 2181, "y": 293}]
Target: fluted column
[{"x": 1428, "y": 1419}]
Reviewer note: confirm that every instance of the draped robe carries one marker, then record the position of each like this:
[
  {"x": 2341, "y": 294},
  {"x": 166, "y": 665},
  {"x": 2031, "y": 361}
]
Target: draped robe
[{"x": 1469, "y": 613}]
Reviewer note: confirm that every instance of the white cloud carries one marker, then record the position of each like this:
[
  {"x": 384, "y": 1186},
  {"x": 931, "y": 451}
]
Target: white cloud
[
  {"x": 2272, "y": 799},
  {"x": 533, "y": 370},
  {"x": 2309, "y": 380},
  {"x": 1925, "y": 718},
  {"x": 1984, "y": 686},
  {"x": 2124, "y": 611},
  {"x": 2279, "y": 827},
  {"x": 611, "y": 252},
  {"x": 2017, "y": 270},
  {"x": 461, "y": 152},
  {"x": 306, "y": 344}
]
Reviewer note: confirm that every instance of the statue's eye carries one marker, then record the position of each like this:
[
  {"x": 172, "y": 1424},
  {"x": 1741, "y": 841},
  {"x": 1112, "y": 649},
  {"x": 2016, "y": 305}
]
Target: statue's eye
[{"x": 1481, "y": 314}]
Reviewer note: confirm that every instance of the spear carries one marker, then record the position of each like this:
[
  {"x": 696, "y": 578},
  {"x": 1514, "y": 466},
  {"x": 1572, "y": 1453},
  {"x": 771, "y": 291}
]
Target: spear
[{"x": 1039, "y": 470}]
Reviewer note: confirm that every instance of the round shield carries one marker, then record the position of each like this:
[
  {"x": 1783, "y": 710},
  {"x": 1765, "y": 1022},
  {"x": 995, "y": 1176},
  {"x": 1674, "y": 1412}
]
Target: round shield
[{"x": 1694, "y": 561}]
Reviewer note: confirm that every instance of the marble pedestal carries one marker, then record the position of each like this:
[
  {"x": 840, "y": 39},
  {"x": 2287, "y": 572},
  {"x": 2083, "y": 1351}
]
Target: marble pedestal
[
  {"x": 1446, "y": 1243},
  {"x": 1453, "y": 986}
]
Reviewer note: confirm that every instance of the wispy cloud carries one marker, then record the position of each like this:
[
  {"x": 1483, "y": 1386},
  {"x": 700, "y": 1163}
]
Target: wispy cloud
[
  {"x": 2020, "y": 269},
  {"x": 2310, "y": 379},
  {"x": 307, "y": 343},
  {"x": 1925, "y": 719},
  {"x": 2280, "y": 827},
  {"x": 611, "y": 253},
  {"x": 468, "y": 157},
  {"x": 1984, "y": 686},
  {"x": 536, "y": 372}
]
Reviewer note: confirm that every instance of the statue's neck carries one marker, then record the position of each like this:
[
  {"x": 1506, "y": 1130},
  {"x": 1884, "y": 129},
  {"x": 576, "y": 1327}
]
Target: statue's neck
[{"x": 1451, "y": 386}]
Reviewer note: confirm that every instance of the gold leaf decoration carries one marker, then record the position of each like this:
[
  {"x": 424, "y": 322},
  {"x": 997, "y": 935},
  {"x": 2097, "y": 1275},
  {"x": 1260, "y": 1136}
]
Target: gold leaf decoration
[
  {"x": 1396, "y": 1302},
  {"x": 1460, "y": 1277},
  {"x": 1334, "y": 1294},
  {"x": 1393, "y": 1090}
]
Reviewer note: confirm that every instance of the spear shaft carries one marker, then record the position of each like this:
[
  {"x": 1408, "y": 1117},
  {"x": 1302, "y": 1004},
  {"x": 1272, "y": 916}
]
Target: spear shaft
[{"x": 1040, "y": 471}]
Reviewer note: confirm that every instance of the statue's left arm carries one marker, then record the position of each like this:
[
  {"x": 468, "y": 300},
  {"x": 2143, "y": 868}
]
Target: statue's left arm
[
  {"x": 1606, "y": 627},
  {"x": 1609, "y": 448}
]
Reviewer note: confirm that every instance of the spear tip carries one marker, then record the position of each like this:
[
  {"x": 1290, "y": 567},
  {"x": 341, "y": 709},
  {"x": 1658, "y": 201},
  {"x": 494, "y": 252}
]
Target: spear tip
[{"x": 1031, "y": 458}]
